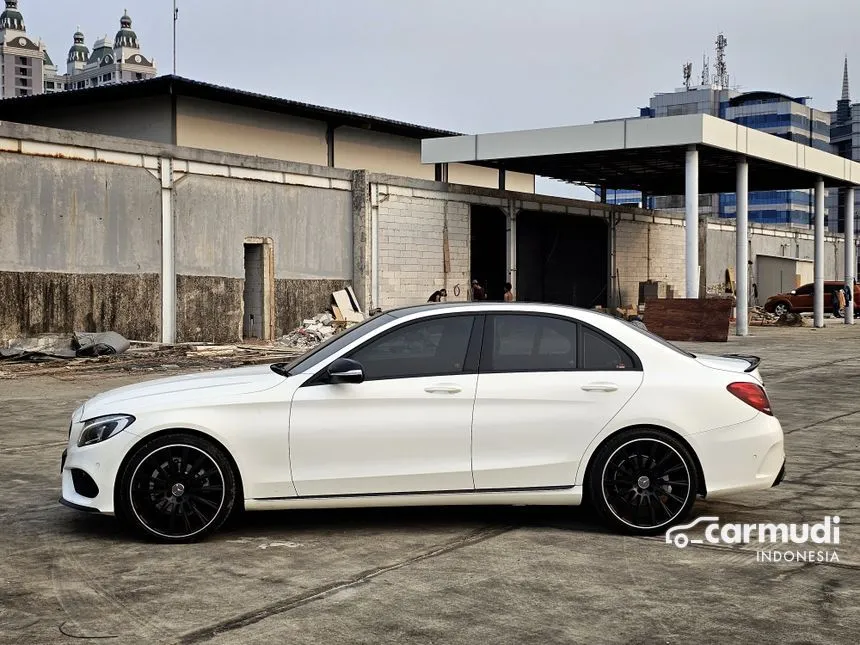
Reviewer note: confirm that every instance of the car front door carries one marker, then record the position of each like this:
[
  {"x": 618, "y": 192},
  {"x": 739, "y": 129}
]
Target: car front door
[
  {"x": 406, "y": 428},
  {"x": 546, "y": 388},
  {"x": 802, "y": 299}
]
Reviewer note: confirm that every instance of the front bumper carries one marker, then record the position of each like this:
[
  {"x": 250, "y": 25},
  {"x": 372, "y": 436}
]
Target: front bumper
[
  {"x": 744, "y": 457},
  {"x": 89, "y": 473}
]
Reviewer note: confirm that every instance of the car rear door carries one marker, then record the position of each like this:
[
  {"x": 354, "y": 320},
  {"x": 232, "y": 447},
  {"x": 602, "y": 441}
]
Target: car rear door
[
  {"x": 405, "y": 429},
  {"x": 546, "y": 388}
]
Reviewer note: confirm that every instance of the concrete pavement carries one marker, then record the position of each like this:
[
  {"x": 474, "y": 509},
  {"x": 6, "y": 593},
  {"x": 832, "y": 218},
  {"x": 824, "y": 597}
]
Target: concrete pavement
[{"x": 462, "y": 575}]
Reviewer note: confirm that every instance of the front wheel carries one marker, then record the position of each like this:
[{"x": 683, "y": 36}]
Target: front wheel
[
  {"x": 643, "y": 481},
  {"x": 781, "y": 309},
  {"x": 177, "y": 488}
]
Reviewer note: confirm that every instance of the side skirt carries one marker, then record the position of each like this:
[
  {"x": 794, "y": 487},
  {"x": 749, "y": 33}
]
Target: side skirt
[{"x": 532, "y": 497}]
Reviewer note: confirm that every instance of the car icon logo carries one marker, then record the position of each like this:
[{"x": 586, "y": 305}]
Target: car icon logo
[{"x": 680, "y": 539}]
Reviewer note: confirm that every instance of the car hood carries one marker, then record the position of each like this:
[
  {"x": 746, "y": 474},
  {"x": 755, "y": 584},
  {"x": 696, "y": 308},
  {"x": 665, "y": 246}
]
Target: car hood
[
  {"x": 184, "y": 390},
  {"x": 728, "y": 363}
]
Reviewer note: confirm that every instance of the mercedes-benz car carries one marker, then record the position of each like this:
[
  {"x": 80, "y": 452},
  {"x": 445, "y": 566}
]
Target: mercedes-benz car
[{"x": 440, "y": 404}]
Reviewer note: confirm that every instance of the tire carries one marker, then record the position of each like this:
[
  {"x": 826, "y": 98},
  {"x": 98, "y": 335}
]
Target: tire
[
  {"x": 781, "y": 308},
  {"x": 177, "y": 488},
  {"x": 643, "y": 481}
]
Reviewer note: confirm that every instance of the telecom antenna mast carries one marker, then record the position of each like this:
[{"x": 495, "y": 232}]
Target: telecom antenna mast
[
  {"x": 688, "y": 74},
  {"x": 721, "y": 72}
]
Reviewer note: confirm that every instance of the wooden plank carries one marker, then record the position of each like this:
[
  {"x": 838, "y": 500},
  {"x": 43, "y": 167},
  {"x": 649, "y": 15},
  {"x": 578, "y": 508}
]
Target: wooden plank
[
  {"x": 337, "y": 313},
  {"x": 353, "y": 299},
  {"x": 689, "y": 319},
  {"x": 341, "y": 299}
]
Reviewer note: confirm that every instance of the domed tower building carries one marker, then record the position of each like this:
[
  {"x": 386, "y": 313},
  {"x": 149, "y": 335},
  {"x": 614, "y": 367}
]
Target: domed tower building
[
  {"x": 23, "y": 59},
  {"x": 112, "y": 61}
]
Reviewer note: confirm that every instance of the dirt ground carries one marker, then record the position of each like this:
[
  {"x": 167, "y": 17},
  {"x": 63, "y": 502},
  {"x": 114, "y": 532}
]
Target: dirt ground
[{"x": 440, "y": 575}]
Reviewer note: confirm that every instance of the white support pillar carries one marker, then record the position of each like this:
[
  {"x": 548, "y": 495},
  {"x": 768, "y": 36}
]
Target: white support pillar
[
  {"x": 511, "y": 255},
  {"x": 691, "y": 201},
  {"x": 168, "y": 264},
  {"x": 850, "y": 254},
  {"x": 741, "y": 249},
  {"x": 818, "y": 257}
]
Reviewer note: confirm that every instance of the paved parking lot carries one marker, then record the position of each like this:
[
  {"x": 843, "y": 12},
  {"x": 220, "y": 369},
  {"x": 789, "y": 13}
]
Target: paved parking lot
[{"x": 463, "y": 575}]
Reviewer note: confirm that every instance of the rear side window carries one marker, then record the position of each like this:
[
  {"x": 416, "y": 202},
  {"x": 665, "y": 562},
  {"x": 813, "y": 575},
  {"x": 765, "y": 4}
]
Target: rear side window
[
  {"x": 529, "y": 344},
  {"x": 599, "y": 353}
]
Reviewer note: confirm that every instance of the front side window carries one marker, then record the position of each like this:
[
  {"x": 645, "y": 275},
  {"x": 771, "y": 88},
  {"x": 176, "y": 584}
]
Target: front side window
[
  {"x": 524, "y": 343},
  {"x": 433, "y": 347}
]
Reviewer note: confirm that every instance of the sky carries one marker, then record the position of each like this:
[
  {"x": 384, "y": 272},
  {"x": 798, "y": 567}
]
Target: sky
[{"x": 477, "y": 65}]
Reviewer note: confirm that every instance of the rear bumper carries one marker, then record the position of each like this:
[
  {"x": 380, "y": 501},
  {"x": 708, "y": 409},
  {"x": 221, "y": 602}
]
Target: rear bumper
[{"x": 744, "y": 457}]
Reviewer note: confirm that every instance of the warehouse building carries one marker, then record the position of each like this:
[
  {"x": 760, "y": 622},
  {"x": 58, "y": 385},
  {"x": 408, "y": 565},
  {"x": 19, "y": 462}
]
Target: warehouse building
[{"x": 168, "y": 209}]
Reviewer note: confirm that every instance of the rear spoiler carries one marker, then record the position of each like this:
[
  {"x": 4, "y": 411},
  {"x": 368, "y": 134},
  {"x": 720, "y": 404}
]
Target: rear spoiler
[{"x": 752, "y": 360}]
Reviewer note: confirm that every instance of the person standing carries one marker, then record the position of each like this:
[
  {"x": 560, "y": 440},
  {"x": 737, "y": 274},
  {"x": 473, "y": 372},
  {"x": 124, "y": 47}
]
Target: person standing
[
  {"x": 478, "y": 292},
  {"x": 509, "y": 292},
  {"x": 438, "y": 296}
]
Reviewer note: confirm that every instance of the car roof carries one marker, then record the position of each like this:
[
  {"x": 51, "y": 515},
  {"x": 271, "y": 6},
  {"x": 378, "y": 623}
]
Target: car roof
[{"x": 400, "y": 312}]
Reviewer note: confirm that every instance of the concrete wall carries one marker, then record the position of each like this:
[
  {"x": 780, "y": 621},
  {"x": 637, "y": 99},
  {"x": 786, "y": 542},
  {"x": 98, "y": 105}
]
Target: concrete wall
[
  {"x": 226, "y": 128},
  {"x": 311, "y": 233},
  {"x": 461, "y": 173},
  {"x": 764, "y": 240},
  {"x": 80, "y": 235},
  {"x": 311, "y": 227},
  {"x": 79, "y": 247},
  {"x": 380, "y": 153},
  {"x": 145, "y": 119}
]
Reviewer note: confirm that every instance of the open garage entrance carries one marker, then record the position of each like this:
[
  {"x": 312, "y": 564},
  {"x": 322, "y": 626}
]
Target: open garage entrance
[
  {"x": 562, "y": 259},
  {"x": 488, "y": 250}
]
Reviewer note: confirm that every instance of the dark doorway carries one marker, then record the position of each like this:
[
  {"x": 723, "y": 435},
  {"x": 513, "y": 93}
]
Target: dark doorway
[
  {"x": 253, "y": 323},
  {"x": 562, "y": 259},
  {"x": 488, "y": 250}
]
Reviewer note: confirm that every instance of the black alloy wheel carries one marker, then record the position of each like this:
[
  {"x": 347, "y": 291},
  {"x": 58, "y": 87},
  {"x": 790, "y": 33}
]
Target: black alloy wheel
[
  {"x": 177, "y": 488},
  {"x": 643, "y": 481}
]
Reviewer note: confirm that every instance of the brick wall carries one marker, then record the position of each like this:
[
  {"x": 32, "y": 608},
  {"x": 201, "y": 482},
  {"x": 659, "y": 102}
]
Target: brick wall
[
  {"x": 411, "y": 243},
  {"x": 649, "y": 247}
]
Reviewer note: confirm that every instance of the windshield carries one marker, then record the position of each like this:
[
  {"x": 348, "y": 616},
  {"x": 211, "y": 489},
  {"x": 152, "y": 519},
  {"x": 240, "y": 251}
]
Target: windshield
[
  {"x": 331, "y": 346},
  {"x": 659, "y": 339}
]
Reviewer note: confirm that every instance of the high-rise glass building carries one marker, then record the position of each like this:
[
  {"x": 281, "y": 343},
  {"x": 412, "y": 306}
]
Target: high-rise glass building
[
  {"x": 783, "y": 116},
  {"x": 845, "y": 140}
]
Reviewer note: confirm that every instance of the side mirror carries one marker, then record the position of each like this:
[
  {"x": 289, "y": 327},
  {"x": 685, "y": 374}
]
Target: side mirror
[
  {"x": 345, "y": 370},
  {"x": 793, "y": 292}
]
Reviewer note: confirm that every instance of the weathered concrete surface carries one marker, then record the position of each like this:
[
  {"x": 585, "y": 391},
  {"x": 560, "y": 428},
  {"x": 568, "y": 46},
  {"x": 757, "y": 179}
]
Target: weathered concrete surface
[
  {"x": 296, "y": 300},
  {"x": 39, "y": 302},
  {"x": 209, "y": 309},
  {"x": 468, "y": 575},
  {"x": 311, "y": 228},
  {"x": 77, "y": 217}
]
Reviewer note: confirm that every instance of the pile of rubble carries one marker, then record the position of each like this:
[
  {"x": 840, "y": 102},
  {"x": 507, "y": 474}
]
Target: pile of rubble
[{"x": 312, "y": 332}]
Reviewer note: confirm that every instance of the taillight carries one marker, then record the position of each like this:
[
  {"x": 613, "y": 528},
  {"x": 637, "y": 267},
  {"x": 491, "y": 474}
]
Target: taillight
[{"x": 751, "y": 394}]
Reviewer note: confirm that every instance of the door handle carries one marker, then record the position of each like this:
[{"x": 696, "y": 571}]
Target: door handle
[
  {"x": 443, "y": 389},
  {"x": 600, "y": 387}
]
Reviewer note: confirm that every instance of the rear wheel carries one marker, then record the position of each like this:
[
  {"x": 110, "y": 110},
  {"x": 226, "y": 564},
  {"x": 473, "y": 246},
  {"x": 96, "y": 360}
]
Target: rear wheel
[
  {"x": 643, "y": 481},
  {"x": 177, "y": 488}
]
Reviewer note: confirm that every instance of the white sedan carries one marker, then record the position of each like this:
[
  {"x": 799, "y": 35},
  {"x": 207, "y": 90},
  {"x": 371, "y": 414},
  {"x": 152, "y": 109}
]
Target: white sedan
[{"x": 461, "y": 403}]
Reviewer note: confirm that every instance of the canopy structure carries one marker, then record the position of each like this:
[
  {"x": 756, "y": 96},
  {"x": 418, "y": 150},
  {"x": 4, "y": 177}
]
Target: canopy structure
[{"x": 689, "y": 155}]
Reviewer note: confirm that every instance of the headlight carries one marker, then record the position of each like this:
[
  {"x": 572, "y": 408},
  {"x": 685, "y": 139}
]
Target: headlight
[{"x": 101, "y": 428}]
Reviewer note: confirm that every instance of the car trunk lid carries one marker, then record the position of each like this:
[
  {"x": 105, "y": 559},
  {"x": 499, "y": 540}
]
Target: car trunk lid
[{"x": 738, "y": 363}]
